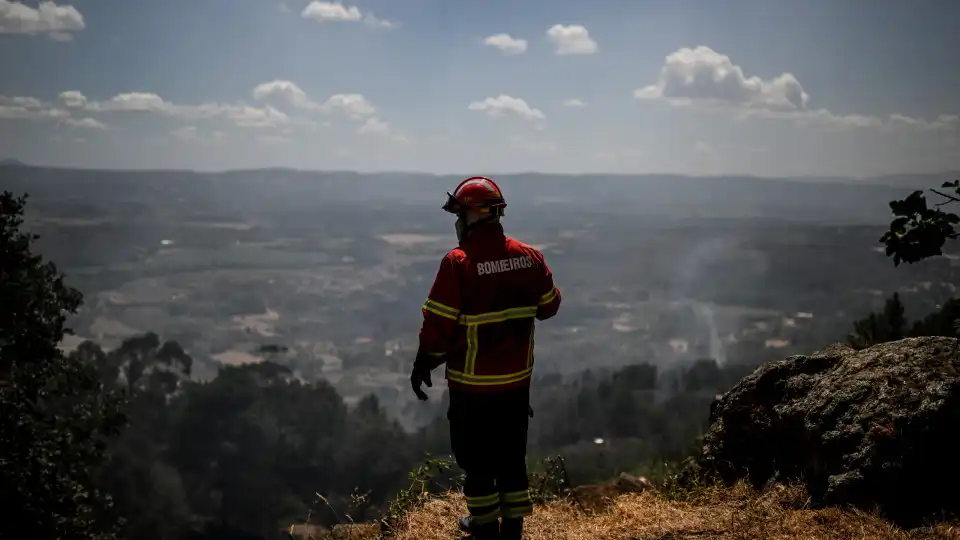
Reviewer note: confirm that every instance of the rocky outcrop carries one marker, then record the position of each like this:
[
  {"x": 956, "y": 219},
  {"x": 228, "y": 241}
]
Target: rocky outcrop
[{"x": 875, "y": 428}]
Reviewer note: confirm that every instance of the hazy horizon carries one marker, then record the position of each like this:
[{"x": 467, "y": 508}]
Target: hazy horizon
[{"x": 493, "y": 174}]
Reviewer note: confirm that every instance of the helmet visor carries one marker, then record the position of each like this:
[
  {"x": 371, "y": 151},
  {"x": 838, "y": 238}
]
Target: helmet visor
[{"x": 452, "y": 205}]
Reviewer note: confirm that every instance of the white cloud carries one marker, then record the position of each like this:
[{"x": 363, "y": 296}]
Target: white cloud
[
  {"x": 944, "y": 122},
  {"x": 148, "y": 102},
  {"x": 284, "y": 90},
  {"x": 504, "y": 105},
  {"x": 329, "y": 11},
  {"x": 280, "y": 92},
  {"x": 376, "y": 126},
  {"x": 285, "y": 109},
  {"x": 14, "y": 112},
  {"x": 356, "y": 106},
  {"x": 133, "y": 102},
  {"x": 373, "y": 22},
  {"x": 192, "y": 134},
  {"x": 573, "y": 39},
  {"x": 335, "y": 11},
  {"x": 704, "y": 75},
  {"x": 85, "y": 123},
  {"x": 48, "y": 18},
  {"x": 353, "y": 105},
  {"x": 506, "y": 43},
  {"x": 28, "y": 108},
  {"x": 574, "y": 102},
  {"x": 21, "y": 101},
  {"x": 73, "y": 99},
  {"x": 256, "y": 118},
  {"x": 815, "y": 117}
]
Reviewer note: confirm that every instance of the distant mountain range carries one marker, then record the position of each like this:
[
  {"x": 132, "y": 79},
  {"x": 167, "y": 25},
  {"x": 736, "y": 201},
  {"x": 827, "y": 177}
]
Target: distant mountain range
[{"x": 900, "y": 180}]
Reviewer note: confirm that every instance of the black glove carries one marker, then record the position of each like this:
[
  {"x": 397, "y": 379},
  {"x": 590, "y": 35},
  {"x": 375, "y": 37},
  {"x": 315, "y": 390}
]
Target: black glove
[
  {"x": 422, "y": 366},
  {"x": 420, "y": 376}
]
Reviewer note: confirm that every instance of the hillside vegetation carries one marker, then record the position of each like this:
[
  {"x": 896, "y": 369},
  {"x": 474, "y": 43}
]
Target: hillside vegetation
[{"x": 738, "y": 512}]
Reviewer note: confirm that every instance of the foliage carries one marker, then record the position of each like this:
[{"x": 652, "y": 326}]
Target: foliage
[
  {"x": 891, "y": 324},
  {"x": 244, "y": 453},
  {"x": 255, "y": 450},
  {"x": 919, "y": 231},
  {"x": 55, "y": 415},
  {"x": 695, "y": 487},
  {"x": 551, "y": 481},
  {"x": 423, "y": 480}
]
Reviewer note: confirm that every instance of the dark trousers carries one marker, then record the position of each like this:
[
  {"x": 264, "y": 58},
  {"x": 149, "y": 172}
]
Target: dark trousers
[{"x": 488, "y": 433}]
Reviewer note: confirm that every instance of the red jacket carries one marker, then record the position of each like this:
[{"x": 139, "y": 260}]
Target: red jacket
[{"x": 480, "y": 312}]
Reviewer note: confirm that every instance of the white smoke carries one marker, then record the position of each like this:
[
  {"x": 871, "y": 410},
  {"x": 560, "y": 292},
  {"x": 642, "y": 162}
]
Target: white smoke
[
  {"x": 695, "y": 266},
  {"x": 707, "y": 315}
]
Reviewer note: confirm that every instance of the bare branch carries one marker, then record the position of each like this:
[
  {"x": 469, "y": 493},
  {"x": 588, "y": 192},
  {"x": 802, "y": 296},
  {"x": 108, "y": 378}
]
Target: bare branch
[{"x": 950, "y": 198}]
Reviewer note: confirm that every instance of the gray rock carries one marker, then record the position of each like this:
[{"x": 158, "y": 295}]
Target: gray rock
[{"x": 873, "y": 428}]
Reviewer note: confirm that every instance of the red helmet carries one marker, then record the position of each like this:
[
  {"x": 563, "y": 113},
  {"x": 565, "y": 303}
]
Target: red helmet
[{"x": 477, "y": 193}]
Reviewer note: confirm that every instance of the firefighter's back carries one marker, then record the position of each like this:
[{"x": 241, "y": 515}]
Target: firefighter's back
[{"x": 505, "y": 281}]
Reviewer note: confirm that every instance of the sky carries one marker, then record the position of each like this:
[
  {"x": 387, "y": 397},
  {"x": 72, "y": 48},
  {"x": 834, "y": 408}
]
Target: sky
[{"x": 757, "y": 87}]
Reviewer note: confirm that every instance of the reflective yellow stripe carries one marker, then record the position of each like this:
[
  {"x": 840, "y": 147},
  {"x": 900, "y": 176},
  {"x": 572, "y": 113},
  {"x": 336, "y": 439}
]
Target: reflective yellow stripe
[
  {"x": 444, "y": 311},
  {"x": 489, "y": 517},
  {"x": 530, "y": 348},
  {"x": 472, "y": 345},
  {"x": 483, "y": 500},
  {"x": 487, "y": 380},
  {"x": 518, "y": 511},
  {"x": 436, "y": 354},
  {"x": 516, "y": 497},
  {"x": 547, "y": 298},
  {"x": 500, "y": 316},
  {"x": 472, "y": 322}
]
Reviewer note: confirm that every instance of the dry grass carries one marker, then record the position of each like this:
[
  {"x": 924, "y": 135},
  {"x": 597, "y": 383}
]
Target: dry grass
[{"x": 728, "y": 514}]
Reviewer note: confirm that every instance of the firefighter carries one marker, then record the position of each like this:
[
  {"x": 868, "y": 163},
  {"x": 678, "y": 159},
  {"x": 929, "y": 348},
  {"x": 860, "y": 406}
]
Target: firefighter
[{"x": 478, "y": 319}]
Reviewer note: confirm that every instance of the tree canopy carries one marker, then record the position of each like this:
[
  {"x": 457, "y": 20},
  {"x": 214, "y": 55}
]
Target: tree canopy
[
  {"x": 55, "y": 415},
  {"x": 919, "y": 230}
]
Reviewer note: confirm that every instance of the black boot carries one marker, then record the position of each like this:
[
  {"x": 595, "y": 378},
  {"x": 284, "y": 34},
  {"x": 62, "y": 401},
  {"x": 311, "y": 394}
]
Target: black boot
[
  {"x": 511, "y": 529},
  {"x": 485, "y": 531}
]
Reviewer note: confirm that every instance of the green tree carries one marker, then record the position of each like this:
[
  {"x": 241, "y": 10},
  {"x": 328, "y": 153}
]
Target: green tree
[
  {"x": 150, "y": 493},
  {"x": 889, "y": 325},
  {"x": 893, "y": 317},
  {"x": 918, "y": 230},
  {"x": 939, "y": 323},
  {"x": 55, "y": 414}
]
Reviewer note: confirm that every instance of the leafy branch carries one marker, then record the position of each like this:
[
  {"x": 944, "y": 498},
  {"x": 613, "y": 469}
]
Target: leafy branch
[{"x": 919, "y": 230}]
